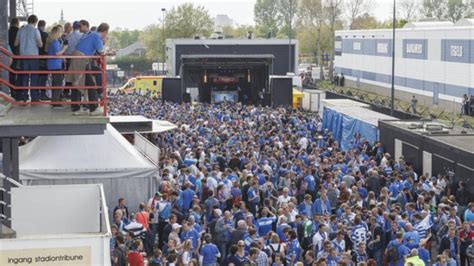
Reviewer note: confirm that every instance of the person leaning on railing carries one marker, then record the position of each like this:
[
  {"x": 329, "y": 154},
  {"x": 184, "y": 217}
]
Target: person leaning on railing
[
  {"x": 54, "y": 47},
  {"x": 90, "y": 44}
]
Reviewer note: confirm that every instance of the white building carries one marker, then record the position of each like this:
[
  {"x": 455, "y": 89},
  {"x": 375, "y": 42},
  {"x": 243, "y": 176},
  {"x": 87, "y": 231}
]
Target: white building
[
  {"x": 432, "y": 60},
  {"x": 221, "y": 21}
]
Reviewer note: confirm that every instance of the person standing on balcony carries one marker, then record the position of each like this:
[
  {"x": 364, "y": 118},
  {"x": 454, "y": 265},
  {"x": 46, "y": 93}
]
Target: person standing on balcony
[
  {"x": 72, "y": 37},
  {"x": 92, "y": 42},
  {"x": 42, "y": 78},
  {"x": 54, "y": 47},
  {"x": 12, "y": 32},
  {"x": 29, "y": 41}
]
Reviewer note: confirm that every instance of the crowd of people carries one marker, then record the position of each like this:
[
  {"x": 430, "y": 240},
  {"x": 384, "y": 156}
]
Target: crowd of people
[
  {"x": 71, "y": 39},
  {"x": 248, "y": 185}
]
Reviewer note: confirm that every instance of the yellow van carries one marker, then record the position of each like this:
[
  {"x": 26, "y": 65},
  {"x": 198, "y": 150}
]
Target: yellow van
[{"x": 140, "y": 84}]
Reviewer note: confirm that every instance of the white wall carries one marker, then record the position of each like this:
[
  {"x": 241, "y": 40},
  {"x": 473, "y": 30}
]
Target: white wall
[
  {"x": 49, "y": 210},
  {"x": 99, "y": 246},
  {"x": 432, "y": 69}
]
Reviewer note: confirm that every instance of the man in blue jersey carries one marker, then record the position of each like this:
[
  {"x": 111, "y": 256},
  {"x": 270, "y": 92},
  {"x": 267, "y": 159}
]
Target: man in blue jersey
[
  {"x": 91, "y": 43},
  {"x": 265, "y": 223},
  {"x": 209, "y": 252},
  {"x": 396, "y": 251},
  {"x": 189, "y": 232},
  {"x": 294, "y": 249},
  {"x": 411, "y": 239},
  {"x": 253, "y": 197},
  {"x": 322, "y": 205},
  {"x": 187, "y": 196}
]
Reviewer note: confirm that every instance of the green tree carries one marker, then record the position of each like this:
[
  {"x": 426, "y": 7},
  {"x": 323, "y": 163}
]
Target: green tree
[
  {"x": 435, "y": 9},
  {"x": 239, "y": 32},
  {"x": 311, "y": 14},
  {"x": 287, "y": 11},
  {"x": 267, "y": 18},
  {"x": 183, "y": 21},
  {"x": 457, "y": 9},
  {"x": 120, "y": 38}
]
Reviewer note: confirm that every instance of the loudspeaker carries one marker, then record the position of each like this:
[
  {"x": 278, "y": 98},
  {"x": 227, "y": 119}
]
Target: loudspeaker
[
  {"x": 282, "y": 91},
  {"x": 187, "y": 97},
  {"x": 171, "y": 90}
]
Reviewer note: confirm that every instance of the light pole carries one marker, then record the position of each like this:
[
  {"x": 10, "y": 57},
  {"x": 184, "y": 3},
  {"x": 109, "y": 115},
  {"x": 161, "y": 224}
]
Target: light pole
[
  {"x": 289, "y": 37},
  {"x": 392, "y": 99},
  {"x": 163, "y": 10}
]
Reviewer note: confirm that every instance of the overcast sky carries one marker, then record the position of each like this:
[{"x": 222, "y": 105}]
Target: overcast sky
[{"x": 138, "y": 14}]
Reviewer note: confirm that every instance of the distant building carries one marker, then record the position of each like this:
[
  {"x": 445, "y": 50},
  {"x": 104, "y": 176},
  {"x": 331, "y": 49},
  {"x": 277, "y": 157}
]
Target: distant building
[
  {"x": 432, "y": 60},
  {"x": 136, "y": 49},
  {"x": 221, "y": 21}
]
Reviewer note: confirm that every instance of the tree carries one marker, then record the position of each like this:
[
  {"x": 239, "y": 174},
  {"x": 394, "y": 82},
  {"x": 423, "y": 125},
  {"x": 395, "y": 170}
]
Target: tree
[
  {"x": 435, "y": 9},
  {"x": 238, "y": 32},
  {"x": 366, "y": 21},
  {"x": 119, "y": 38},
  {"x": 267, "y": 19},
  {"x": 187, "y": 20},
  {"x": 457, "y": 9},
  {"x": 356, "y": 8},
  {"x": 311, "y": 15},
  {"x": 287, "y": 11},
  {"x": 333, "y": 12},
  {"x": 184, "y": 21},
  {"x": 452, "y": 10},
  {"x": 408, "y": 9}
]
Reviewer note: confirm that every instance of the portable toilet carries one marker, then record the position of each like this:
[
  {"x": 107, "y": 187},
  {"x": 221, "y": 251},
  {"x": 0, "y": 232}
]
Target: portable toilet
[{"x": 297, "y": 98}]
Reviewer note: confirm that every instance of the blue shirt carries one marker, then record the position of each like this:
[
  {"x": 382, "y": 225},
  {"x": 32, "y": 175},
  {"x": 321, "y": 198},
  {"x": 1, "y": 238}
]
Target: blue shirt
[
  {"x": 209, "y": 253},
  {"x": 90, "y": 43},
  {"x": 191, "y": 234},
  {"x": 53, "y": 49},
  {"x": 28, "y": 37},
  {"x": 251, "y": 194},
  {"x": 310, "y": 181},
  {"x": 411, "y": 239},
  {"x": 187, "y": 196},
  {"x": 264, "y": 225}
]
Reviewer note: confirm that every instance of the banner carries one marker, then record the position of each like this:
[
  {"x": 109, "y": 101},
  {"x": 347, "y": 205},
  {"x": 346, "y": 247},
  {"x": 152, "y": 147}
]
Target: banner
[{"x": 46, "y": 256}]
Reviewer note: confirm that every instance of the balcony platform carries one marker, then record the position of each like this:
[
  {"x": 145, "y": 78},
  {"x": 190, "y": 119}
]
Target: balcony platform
[{"x": 42, "y": 120}]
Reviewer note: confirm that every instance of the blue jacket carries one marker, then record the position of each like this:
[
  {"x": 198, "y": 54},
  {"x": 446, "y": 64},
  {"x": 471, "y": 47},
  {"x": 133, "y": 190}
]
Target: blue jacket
[{"x": 318, "y": 206}]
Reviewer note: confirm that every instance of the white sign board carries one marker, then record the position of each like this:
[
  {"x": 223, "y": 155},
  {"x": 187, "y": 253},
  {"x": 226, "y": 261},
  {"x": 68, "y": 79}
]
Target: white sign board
[
  {"x": 414, "y": 48},
  {"x": 120, "y": 74},
  {"x": 456, "y": 50},
  {"x": 398, "y": 149},
  {"x": 382, "y": 48},
  {"x": 111, "y": 67},
  {"x": 427, "y": 163},
  {"x": 155, "y": 66},
  {"x": 356, "y": 46},
  {"x": 338, "y": 45}
]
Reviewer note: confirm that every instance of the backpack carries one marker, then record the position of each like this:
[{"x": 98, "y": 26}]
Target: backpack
[
  {"x": 275, "y": 252},
  {"x": 392, "y": 254}
]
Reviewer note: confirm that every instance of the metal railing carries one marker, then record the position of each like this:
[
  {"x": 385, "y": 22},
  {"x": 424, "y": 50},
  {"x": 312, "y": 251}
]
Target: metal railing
[{"x": 103, "y": 71}]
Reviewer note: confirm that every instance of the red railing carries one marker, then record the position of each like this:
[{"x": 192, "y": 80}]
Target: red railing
[{"x": 103, "y": 71}]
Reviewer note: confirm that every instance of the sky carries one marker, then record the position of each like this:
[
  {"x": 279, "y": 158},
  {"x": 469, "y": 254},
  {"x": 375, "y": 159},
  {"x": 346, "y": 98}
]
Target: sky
[{"x": 138, "y": 14}]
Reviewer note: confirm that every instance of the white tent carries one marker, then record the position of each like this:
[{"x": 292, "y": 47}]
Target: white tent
[{"x": 108, "y": 159}]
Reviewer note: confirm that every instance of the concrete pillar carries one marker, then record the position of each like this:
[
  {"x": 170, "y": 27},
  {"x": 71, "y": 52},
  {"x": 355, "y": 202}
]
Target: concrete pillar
[
  {"x": 4, "y": 37},
  {"x": 12, "y": 8}
]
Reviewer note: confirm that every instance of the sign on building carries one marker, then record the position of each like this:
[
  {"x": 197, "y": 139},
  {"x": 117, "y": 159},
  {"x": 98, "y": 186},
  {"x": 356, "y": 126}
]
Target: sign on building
[
  {"x": 155, "y": 66},
  {"x": 382, "y": 48},
  {"x": 456, "y": 50},
  {"x": 120, "y": 74},
  {"x": 356, "y": 46},
  {"x": 414, "y": 48}
]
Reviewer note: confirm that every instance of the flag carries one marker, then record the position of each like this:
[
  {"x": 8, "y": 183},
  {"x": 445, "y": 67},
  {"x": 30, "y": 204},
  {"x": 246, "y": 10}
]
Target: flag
[{"x": 424, "y": 226}]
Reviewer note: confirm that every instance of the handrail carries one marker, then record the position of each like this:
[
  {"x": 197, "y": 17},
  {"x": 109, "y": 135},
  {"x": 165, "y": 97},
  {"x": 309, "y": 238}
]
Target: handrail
[
  {"x": 103, "y": 71},
  {"x": 14, "y": 56}
]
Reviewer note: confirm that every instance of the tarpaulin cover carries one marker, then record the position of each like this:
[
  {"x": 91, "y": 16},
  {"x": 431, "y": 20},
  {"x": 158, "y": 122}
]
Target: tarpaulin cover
[
  {"x": 345, "y": 122},
  {"x": 108, "y": 159}
]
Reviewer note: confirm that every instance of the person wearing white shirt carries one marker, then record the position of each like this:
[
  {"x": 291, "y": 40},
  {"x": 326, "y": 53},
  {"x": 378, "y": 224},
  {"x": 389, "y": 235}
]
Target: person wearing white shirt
[
  {"x": 319, "y": 238},
  {"x": 285, "y": 198}
]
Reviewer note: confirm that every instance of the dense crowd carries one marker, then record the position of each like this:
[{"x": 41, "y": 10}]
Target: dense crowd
[{"x": 247, "y": 185}]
